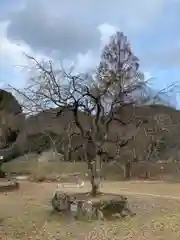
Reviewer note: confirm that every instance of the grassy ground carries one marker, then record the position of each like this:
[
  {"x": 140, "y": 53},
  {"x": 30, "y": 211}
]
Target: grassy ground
[
  {"x": 19, "y": 166},
  {"x": 32, "y": 167},
  {"x": 26, "y": 214}
]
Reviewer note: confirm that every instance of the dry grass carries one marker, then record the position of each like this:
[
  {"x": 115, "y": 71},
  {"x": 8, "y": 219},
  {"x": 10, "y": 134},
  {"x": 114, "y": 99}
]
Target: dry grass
[
  {"x": 26, "y": 214},
  {"x": 109, "y": 171},
  {"x": 32, "y": 166},
  {"x": 45, "y": 169}
]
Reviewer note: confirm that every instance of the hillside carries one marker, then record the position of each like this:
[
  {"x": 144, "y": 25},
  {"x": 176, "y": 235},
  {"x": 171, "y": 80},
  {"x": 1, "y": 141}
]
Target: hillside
[
  {"x": 47, "y": 122},
  {"x": 35, "y": 132}
]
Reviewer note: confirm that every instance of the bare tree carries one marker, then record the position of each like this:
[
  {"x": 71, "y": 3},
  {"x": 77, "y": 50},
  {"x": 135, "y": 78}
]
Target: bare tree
[
  {"x": 161, "y": 129},
  {"x": 68, "y": 143},
  {"x": 78, "y": 95},
  {"x": 119, "y": 74},
  {"x": 87, "y": 100}
]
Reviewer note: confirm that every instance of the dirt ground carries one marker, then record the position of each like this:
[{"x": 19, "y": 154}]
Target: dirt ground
[{"x": 27, "y": 214}]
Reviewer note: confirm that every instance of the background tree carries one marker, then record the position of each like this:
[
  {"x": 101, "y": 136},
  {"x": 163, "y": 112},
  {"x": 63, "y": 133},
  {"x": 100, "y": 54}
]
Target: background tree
[
  {"x": 119, "y": 73},
  {"x": 119, "y": 69},
  {"x": 157, "y": 135}
]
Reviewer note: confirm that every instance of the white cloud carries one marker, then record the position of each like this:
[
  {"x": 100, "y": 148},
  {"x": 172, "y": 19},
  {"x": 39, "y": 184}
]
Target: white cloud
[
  {"x": 86, "y": 61},
  {"x": 70, "y": 27},
  {"x": 109, "y": 17},
  {"x": 106, "y": 31},
  {"x": 30, "y": 24},
  {"x": 13, "y": 59},
  {"x": 11, "y": 53}
]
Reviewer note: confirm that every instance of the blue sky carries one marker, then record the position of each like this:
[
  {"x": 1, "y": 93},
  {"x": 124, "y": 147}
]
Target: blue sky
[{"x": 77, "y": 30}]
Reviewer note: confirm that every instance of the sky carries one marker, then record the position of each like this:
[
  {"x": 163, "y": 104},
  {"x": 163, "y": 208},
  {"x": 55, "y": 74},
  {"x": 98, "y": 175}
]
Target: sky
[{"x": 75, "y": 31}]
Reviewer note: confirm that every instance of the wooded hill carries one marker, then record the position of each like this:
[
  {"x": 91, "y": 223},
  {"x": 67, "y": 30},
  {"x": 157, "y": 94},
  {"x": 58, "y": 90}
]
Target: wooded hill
[{"x": 34, "y": 134}]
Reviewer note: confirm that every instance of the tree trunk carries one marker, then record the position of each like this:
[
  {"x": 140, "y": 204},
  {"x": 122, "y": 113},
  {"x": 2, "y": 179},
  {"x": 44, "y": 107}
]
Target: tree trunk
[
  {"x": 68, "y": 154},
  {"x": 95, "y": 175},
  {"x": 127, "y": 173},
  {"x": 147, "y": 172},
  {"x": 2, "y": 173},
  {"x": 94, "y": 187}
]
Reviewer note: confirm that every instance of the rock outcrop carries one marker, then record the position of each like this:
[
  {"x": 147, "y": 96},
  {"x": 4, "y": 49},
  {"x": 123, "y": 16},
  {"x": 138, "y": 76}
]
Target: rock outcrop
[{"x": 11, "y": 122}]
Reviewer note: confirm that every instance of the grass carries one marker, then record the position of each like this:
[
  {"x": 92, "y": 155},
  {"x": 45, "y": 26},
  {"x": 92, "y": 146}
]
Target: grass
[
  {"x": 33, "y": 167},
  {"x": 45, "y": 168},
  {"x": 27, "y": 214},
  {"x": 109, "y": 171}
]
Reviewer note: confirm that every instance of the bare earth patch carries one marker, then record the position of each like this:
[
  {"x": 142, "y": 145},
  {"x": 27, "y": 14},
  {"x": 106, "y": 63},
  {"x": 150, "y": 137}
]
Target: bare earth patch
[{"x": 27, "y": 214}]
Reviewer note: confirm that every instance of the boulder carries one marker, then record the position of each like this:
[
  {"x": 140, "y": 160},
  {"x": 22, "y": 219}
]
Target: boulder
[
  {"x": 49, "y": 155},
  {"x": 90, "y": 209},
  {"x": 117, "y": 207},
  {"x": 77, "y": 208},
  {"x": 61, "y": 202}
]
